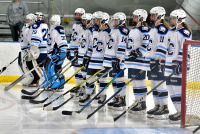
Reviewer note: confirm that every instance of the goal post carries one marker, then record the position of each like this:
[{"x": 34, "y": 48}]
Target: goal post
[{"x": 190, "y": 100}]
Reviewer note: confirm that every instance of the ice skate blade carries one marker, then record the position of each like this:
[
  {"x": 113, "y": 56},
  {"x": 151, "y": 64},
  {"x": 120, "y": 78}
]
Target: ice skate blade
[
  {"x": 119, "y": 108},
  {"x": 141, "y": 112},
  {"x": 150, "y": 116},
  {"x": 161, "y": 117},
  {"x": 175, "y": 122}
]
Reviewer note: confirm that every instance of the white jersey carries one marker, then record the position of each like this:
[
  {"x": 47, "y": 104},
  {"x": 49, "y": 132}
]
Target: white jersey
[
  {"x": 56, "y": 37},
  {"x": 96, "y": 51},
  {"x": 116, "y": 46},
  {"x": 76, "y": 33},
  {"x": 24, "y": 38},
  {"x": 138, "y": 38},
  {"x": 85, "y": 41},
  {"x": 39, "y": 36},
  {"x": 175, "y": 48},
  {"x": 158, "y": 42}
]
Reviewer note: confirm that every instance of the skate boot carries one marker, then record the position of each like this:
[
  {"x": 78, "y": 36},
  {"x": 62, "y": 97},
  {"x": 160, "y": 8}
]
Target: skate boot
[
  {"x": 101, "y": 100},
  {"x": 81, "y": 92},
  {"x": 121, "y": 104},
  {"x": 162, "y": 113},
  {"x": 150, "y": 113},
  {"x": 139, "y": 109},
  {"x": 114, "y": 100},
  {"x": 175, "y": 118},
  {"x": 84, "y": 99}
]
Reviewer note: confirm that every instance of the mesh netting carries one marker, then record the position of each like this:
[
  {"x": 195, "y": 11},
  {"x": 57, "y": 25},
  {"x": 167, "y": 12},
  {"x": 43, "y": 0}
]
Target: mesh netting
[{"x": 193, "y": 86}]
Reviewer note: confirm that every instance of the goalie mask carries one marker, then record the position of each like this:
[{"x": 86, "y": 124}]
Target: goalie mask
[
  {"x": 30, "y": 19},
  {"x": 40, "y": 16},
  {"x": 55, "y": 21}
]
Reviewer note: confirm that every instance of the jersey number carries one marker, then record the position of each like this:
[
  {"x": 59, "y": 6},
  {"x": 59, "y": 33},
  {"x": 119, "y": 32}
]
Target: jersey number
[{"x": 45, "y": 32}]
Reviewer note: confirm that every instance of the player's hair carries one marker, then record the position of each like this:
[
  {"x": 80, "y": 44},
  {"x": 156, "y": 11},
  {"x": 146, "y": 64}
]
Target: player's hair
[
  {"x": 165, "y": 23},
  {"x": 185, "y": 25},
  {"x": 144, "y": 23},
  {"x": 107, "y": 25}
]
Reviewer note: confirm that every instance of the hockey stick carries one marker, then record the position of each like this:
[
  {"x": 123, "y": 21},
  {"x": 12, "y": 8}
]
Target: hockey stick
[
  {"x": 22, "y": 77},
  {"x": 4, "y": 68},
  {"x": 74, "y": 113},
  {"x": 79, "y": 116},
  {"x": 135, "y": 103},
  {"x": 34, "y": 97},
  {"x": 42, "y": 101},
  {"x": 31, "y": 93},
  {"x": 55, "y": 108},
  {"x": 74, "y": 88}
]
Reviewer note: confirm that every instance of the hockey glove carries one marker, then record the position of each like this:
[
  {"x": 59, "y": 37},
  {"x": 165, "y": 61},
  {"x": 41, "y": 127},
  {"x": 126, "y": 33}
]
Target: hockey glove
[
  {"x": 134, "y": 54},
  {"x": 177, "y": 67},
  {"x": 68, "y": 55},
  {"x": 116, "y": 63},
  {"x": 162, "y": 64},
  {"x": 86, "y": 60},
  {"x": 155, "y": 65}
]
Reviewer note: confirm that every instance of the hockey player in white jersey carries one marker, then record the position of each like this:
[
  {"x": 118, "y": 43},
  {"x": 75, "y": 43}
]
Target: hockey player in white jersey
[
  {"x": 181, "y": 33},
  {"x": 24, "y": 40},
  {"x": 114, "y": 57},
  {"x": 95, "y": 54},
  {"x": 156, "y": 51},
  {"x": 73, "y": 49},
  {"x": 84, "y": 41},
  {"x": 135, "y": 61},
  {"x": 38, "y": 46},
  {"x": 57, "y": 47}
]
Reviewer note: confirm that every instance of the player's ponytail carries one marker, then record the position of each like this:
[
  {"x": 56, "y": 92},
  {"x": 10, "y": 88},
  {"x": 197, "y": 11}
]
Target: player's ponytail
[
  {"x": 165, "y": 23},
  {"x": 144, "y": 23},
  {"x": 185, "y": 25},
  {"x": 107, "y": 25}
]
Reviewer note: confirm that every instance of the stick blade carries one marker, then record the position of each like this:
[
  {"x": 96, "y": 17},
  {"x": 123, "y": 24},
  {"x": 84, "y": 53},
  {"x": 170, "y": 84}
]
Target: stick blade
[
  {"x": 67, "y": 112},
  {"x": 26, "y": 92},
  {"x": 36, "y": 101},
  {"x": 79, "y": 116},
  {"x": 26, "y": 97},
  {"x": 106, "y": 119},
  {"x": 48, "y": 108}
]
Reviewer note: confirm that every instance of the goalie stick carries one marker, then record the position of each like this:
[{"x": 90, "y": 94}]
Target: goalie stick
[
  {"x": 74, "y": 88},
  {"x": 42, "y": 101},
  {"x": 31, "y": 93},
  {"x": 135, "y": 103},
  {"x": 22, "y": 77},
  {"x": 77, "y": 112},
  {"x": 80, "y": 116},
  {"x": 57, "y": 107},
  {"x": 34, "y": 97}
]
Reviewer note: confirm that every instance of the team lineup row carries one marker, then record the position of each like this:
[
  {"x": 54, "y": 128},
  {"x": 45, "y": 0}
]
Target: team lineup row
[{"x": 97, "y": 49}]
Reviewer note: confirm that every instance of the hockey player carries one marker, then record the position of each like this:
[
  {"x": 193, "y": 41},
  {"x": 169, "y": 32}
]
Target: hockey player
[
  {"x": 157, "y": 50},
  {"x": 38, "y": 46},
  {"x": 24, "y": 39},
  {"x": 76, "y": 31},
  {"x": 84, "y": 41},
  {"x": 94, "y": 57},
  {"x": 57, "y": 46},
  {"x": 114, "y": 57},
  {"x": 181, "y": 33},
  {"x": 135, "y": 61}
]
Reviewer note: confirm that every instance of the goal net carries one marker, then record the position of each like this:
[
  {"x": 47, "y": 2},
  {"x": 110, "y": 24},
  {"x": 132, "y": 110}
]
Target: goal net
[{"x": 190, "y": 101}]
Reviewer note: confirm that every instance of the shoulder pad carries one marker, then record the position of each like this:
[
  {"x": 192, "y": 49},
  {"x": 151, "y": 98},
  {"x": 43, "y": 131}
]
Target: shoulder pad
[
  {"x": 144, "y": 29},
  {"x": 36, "y": 25},
  {"x": 124, "y": 30},
  {"x": 107, "y": 30},
  {"x": 185, "y": 32},
  {"x": 60, "y": 29},
  {"x": 92, "y": 29},
  {"x": 162, "y": 29}
]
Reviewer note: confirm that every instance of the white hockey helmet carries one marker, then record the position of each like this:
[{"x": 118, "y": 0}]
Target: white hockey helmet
[
  {"x": 87, "y": 16},
  {"x": 121, "y": 17},
  {"x": 179, "y": 14},
  {"x": 40, "y": 16},
  {"x": 56, "y": 19},
  {"x": 141, "y": 13},
  {"x": 80, "y": 10},
  {"x": 32, "y": 19},
  {"x": 158, "y": 11},
  {"x": 106, "y": 17}
]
